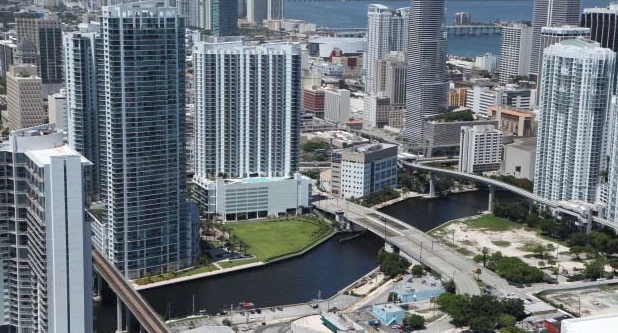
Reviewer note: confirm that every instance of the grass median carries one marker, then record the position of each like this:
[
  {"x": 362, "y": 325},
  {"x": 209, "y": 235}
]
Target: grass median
[{"x": 270, "y": 239}]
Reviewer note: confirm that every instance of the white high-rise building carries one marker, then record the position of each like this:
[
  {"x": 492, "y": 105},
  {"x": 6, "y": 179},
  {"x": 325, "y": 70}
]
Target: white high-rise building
[
  {"x": 247, "y": 109},
  {"x": 515, "y": 51},
  {"x": 142, "y": 136},
  {"x": 378, "y": 41},
  {"x": 480, "y": 149},
  {"x": 550, "y": 13},
  {"x": 47, "y": 267},
  {"x": 554, "y": 35},
  {"x": 426, "y": 86},
  {"x": 576, "y": 90}
]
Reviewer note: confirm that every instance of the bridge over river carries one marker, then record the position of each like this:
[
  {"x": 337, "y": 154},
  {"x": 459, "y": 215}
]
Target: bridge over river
[{"x": 411, "y": 242}]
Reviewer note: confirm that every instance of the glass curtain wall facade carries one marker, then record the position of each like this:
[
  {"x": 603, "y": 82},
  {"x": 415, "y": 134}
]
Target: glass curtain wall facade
[{"x": 142, "y": 107}]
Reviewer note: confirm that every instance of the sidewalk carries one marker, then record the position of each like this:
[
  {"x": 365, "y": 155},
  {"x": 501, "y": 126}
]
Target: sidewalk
[{"x": 195, "y": 276}]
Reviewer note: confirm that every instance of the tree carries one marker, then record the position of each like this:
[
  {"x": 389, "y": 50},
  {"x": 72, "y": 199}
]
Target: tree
[
  {"x": 482, "y": 324},
  {"x": 392, "y": 264},
  {"x": 417, "y": 270},
  {"x": 485, "y": 252},
  {"x": 449, "y": 286},
  {"x": 415, "y": 321},
  {"x": 506, "y": 320},
  {"x": 595, "y": 269}
]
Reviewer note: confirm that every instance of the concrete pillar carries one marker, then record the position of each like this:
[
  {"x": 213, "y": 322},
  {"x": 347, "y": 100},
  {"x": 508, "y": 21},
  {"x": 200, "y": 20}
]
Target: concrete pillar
[
  {"x": 118, "y": 314},
  {"x": 432, "y": 184},
  {"x": 127, "y": 319},
  {"x": 588, "y": 220},
  {"x": 530, "y": 206},
  {"x": 99, "y": 281},
  {"x": 492, "y": 192}
]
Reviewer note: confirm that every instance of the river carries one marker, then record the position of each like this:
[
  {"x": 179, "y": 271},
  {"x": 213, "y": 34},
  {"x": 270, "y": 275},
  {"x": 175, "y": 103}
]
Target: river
[
  {"x": 327, "y": 269},
  {"x": 353, "y": 14}
]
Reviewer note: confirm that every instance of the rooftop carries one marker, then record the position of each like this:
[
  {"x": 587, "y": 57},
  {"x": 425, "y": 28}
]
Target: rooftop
[
  {"x": 43, "y": 156},
  {"x": 371, "y": 147},
  {"x": 528, "y": 143},
  {"x": 596, "y": 324},
  {"x": 342, "y": 323},
  {"x": 388, "y": 307}
]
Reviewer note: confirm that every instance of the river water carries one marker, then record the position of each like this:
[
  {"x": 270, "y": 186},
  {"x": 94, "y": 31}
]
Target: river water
[
  {"x": 327, "y": 269},
  {"x": 353, "y": 14}
]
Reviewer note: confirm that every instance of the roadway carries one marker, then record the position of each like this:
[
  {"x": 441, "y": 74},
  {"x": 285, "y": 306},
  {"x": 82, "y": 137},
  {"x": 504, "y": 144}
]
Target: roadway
[
  {"x": 421, "y": 247},
  {"x": 145, "y": 315}
]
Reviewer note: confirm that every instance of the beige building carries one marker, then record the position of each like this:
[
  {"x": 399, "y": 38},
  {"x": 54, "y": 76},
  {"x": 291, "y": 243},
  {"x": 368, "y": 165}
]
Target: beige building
[
  {"x": 457, "y": 97},
  {"x": 24, "y": 101},
  {"x": 520, "y": 123}
]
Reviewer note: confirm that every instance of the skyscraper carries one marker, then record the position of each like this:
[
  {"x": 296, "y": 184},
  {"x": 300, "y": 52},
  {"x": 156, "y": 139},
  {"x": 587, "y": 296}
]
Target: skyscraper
[
  {"x": 247, "y": 109},
  {"x": 80, "y": 68},
  {"x": 142, "y": 119},
  {"x": 554, "y": 35},
  {"x": 576, "y": 87},
  {"x": 378, "y": 41},
  {"x": 47, "y": 269},
  {"x": 399, "y": 30},
  {"x": 24, "y": 100},
  {"x": 260, "y": 10},
  {"x": 257, "y": 10},
  {"x": 275, "y": 9},
  {"x": 550, "y": 13},
  {"x": 224, "y": 17},
  {"x": 603, "y": 24},
  {"x": 427, "y": 88},
  {"x": 515, "y": 51},
  {"x": 376, "y": 48},
  {"x": 46, "y": 35}
]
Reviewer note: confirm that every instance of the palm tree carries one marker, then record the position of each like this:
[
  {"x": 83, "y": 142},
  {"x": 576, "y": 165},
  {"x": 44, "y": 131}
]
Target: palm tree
[{"x": 485, "y": 252}]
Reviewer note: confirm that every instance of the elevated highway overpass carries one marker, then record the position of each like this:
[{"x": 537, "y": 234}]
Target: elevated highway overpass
[
  {"x": 141, "y": 310},
  {"x": 564, "y": 207}
]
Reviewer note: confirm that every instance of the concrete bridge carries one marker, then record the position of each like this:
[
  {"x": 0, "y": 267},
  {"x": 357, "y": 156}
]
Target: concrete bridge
[
  {"x": 473, "y": 30},
  {"x": 583, "y": 212},
  {"x": 415, "y": 244}
]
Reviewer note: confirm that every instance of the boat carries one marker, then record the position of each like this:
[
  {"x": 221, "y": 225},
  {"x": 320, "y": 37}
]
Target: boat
[{"x": 246, "y": 305}]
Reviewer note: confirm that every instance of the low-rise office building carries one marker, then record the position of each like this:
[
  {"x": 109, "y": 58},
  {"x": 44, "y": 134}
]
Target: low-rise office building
[
  {"x": 442, "y": 138},
  {"x": 480, "y": 149},
  {"x": 364, "y": 169}
]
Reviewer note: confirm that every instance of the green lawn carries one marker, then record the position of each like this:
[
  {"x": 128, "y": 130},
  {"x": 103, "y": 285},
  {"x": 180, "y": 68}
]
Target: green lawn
[
  {"x": 269, "y": 239},
  {"x": 234, "y": 263},
  {"x": 493, "y": 223}
]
